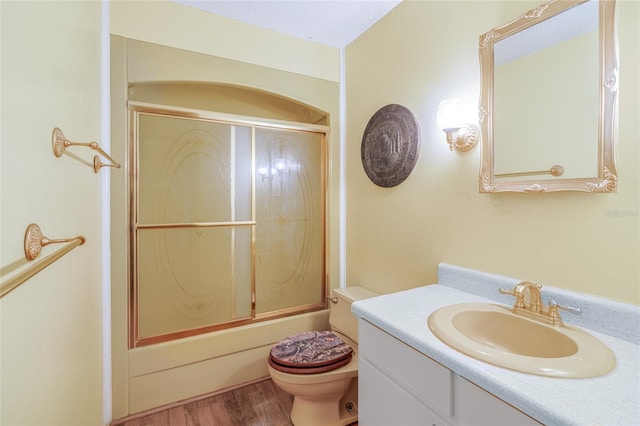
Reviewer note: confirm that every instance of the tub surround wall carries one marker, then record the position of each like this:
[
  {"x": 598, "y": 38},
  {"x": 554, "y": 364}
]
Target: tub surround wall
[
  {"x": 611, "y": 399},
  {"x": 157, "y": 375}
]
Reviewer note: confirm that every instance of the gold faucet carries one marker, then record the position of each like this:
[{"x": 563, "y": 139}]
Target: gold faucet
[
  {"x": 533, "y": 304},
  {"x": 533, "y": 307}
]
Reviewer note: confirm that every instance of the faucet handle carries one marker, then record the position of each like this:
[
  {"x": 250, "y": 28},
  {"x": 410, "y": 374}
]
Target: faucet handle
[
  {"x": 554, "y": 315},
  {"x": 553, "y": 304},
  {"x": 520, "y": 288},
  {"x": 505, "y": 291},
  {"x": 517, "y": 292}
]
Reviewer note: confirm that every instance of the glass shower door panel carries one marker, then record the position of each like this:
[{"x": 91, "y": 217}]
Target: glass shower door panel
[
  {"x": 192, "y": 171},
  {"x": 289, "y": 219},
  {"x": 193, "y": 183},
  {"x": 192, "y": 278}
]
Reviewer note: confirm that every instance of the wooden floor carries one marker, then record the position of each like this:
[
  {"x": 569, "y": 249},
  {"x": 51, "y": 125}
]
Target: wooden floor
[{"x": 259, "y": 404}]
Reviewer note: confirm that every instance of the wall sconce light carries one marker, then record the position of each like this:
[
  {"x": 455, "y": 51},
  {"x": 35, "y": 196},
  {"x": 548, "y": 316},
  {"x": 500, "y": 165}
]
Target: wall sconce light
[{"x": 451, "y": 119}]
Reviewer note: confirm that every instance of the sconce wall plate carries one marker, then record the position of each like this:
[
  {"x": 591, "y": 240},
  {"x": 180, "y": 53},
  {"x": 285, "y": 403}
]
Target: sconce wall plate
[
  {"x": 390, "y": 145},
  {"x": 452, "y": 119},
  {"x": 464, "y": 138}
]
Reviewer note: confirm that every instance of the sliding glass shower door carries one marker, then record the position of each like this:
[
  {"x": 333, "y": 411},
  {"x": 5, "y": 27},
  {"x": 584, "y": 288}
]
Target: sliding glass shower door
[
  {"x": 228, "y": 221},
  {"x": 290, "y": 220}
]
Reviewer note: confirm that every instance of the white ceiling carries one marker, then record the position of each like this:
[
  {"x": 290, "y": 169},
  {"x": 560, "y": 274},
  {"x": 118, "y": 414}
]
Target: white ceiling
[{"x": 332, "y": 22}]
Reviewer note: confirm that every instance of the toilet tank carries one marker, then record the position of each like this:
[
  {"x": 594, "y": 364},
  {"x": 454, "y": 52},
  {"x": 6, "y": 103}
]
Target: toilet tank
[{"x": 340, "y": 317}]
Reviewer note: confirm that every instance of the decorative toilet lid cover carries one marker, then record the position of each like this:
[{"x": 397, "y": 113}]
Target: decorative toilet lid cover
[{"x": 311, "y": 349}]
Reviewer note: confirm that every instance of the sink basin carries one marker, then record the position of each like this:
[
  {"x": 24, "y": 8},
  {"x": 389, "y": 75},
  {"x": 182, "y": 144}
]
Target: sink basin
[{"x": 493, "y": 334}]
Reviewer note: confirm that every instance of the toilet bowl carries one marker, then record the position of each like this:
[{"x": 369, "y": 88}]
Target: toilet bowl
[
  {"x": 318, "y": 398},
  {"x": 327, "y": 398}
]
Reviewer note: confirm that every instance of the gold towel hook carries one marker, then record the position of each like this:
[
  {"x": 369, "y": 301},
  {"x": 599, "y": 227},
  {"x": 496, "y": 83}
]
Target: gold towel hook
[
  {"x": 34, "y": 241},
  {"x": 60, "y": 143}
]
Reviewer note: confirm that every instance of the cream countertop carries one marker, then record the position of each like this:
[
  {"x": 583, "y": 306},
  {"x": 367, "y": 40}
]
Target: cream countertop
[{"x": 612, "y": 399}]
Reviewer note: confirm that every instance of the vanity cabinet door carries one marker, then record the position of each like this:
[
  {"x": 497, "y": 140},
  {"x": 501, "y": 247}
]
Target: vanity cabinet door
[
  {"x": 428, "y": 381},
  {"x": 383, "y": 402},
  {"x": 476, "y": 407},
  {"x": 400, "y": 386}
]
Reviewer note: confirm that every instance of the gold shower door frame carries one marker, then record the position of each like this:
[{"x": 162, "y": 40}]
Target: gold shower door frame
[{"x": 137, "y": 109}]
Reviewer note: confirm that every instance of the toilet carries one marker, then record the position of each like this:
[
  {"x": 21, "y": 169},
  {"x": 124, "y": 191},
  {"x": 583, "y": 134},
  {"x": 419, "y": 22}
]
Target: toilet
[{"x": 320, "y": 368}]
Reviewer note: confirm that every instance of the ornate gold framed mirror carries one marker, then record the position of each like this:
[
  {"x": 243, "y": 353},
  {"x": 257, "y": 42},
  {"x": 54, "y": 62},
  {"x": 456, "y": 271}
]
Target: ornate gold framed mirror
[{"x": 548, "y": 100}]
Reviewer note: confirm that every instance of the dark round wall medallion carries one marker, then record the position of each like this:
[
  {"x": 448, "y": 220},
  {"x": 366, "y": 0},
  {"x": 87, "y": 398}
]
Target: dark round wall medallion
[{"x": 390, "y": 145}]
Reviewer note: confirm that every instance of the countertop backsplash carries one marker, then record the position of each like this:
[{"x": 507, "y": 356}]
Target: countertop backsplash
[{"x": 607, "y": 316}]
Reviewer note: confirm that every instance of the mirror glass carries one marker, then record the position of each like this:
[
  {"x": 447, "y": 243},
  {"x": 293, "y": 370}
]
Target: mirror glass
[{"x": 548, "y": 100}]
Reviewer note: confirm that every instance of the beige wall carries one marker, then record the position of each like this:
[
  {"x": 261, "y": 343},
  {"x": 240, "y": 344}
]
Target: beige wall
[
  {"x": 427, "y": 51},
  {"x": 51, "y": 326}
]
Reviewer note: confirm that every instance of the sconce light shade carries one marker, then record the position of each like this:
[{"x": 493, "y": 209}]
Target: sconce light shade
[
  {"x": 451, "y": 119},
  {"x": 450, "y": 113}
]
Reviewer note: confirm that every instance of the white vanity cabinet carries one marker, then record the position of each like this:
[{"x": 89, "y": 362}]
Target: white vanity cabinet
[{"x": 400, "y": 386}]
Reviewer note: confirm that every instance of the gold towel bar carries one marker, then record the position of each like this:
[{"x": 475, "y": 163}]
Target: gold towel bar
[
  {"x": 556, "y": 170},
  {"x": 34, "y": 241},
  {"x": 59, "y": 143}
]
